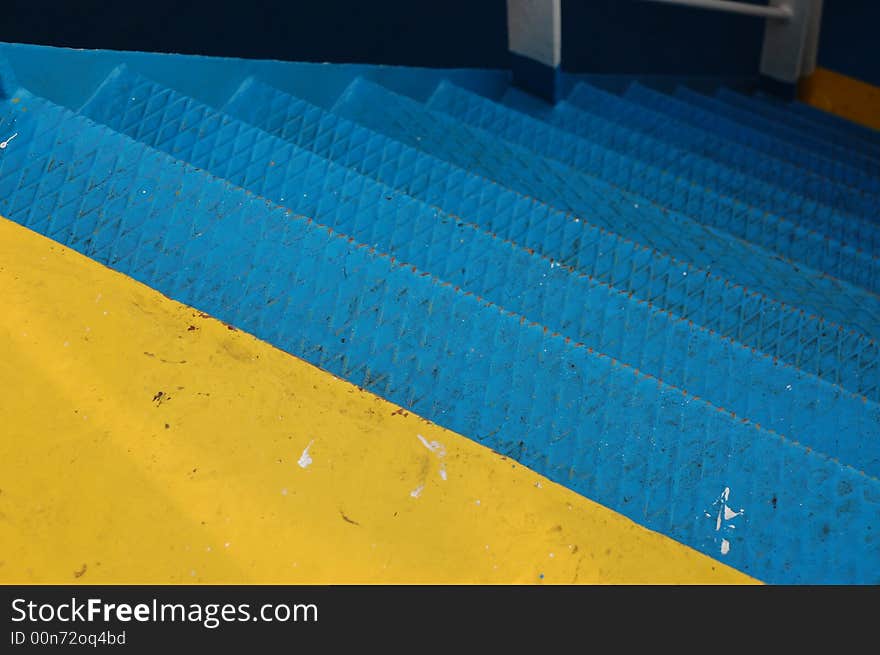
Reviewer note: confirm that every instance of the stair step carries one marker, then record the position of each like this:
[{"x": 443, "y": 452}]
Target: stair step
[
  {"x": 785, "y": 333},
  {"x": 681, "y": 111},
  {"x": 567, "y": 189},
  {"x": 868, "y": 164},
  {"x": 466, "y": 364},
  {"x": 792, "y": 121},
  {"x": 803, "y": 242},
  {"x": 608, "y": 319},
  {"x": 742, "y": 158},
  {"x": 821, "y": 117}
]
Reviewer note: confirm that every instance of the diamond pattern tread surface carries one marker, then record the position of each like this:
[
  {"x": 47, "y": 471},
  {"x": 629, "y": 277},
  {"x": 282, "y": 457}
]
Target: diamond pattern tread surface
[
  {"x": 782, "y": 332},
  {"x": 567, "y": 189},
  {"x": 581, "y": 308},
  {"x": 640, "y": 446},
  {"x": 680, "y": 111}
]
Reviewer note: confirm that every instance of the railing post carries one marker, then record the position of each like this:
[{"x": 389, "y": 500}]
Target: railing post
[
  {"x": 534, "y": 39},
  {"x": 790, "y": 46}
]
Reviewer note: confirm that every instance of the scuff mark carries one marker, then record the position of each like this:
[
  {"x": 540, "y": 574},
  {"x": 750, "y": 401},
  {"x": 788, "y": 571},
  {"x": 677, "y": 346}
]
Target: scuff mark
[
  {"x": 415, "y": 493},
  {"x": 81, "y": 572},
  {"x": 347, "y": 519}
]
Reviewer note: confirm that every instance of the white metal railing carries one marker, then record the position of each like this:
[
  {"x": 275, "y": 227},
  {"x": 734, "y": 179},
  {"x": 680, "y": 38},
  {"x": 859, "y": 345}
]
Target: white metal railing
[
  {"x": 791, "y": 33},
  {"x": 782, "y": 12}
]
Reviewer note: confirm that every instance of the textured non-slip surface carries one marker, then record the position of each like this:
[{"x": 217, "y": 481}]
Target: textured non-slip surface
[
  {"x": 607, "y": 319},
  {"x": 677, "y": 109},
  {"x": 782, "y": 332},
  {"x": 622, "y": 438},
  {"x": 817, "y": 238}
]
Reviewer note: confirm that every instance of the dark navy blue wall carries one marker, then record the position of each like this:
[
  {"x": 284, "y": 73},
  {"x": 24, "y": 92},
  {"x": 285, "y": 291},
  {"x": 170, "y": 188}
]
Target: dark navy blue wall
[
  {"x": 850, "y": 39},
  {"x": 445, "y": 33},
  {"x": 599, "y": 36},
  {"x": 635, "y": 37}
]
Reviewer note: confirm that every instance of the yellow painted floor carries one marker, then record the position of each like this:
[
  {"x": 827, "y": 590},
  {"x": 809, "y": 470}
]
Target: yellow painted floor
[
  {"x": 144, "y": 442},
  {"x": 842, "y": 95}
]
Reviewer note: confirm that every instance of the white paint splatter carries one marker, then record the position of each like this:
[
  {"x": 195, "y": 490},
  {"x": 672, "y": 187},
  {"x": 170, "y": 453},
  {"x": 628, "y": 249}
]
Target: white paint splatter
[
  {"x": 415, "y": 493},
  {"x": 730, "y": 514},
  {"x": 725, "y": 514},
  {"x": 438, "y": 449},
  {"x": 434, "y": 446},
  {"x": 3, "y": 144},
  {"x": 305, "y": 459}
]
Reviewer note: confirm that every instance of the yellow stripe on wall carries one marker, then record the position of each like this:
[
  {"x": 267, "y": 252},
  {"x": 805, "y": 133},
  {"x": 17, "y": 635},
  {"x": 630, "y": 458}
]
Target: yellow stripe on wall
[
  {"x": 842, "y": 95},
  {"x": 143, "y": 442}
]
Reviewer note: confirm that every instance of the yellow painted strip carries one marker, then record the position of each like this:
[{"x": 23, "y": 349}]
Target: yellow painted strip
[
  {"x": 845, "y": 96},
  {"x": 143, "y": 442}
]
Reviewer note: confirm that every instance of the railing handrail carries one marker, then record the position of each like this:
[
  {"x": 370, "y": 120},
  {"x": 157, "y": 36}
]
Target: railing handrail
[{"x": 781, "y": 12}]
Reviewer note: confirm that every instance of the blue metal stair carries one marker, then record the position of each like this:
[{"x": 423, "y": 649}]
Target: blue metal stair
[
  {"x": 549, "y": 291},
  {"x": 778, "y": 117},
  {"x": 825, "y": 247},
  {"x": 702, "y": 296},
  {"x": 855, "y": 158},
  {"x": 683, "y": 112}
]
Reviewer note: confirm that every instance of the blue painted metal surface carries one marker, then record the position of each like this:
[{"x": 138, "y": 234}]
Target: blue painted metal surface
[
  {"x": 823, "y": 132},
  {"x": 819, "y": 117},
  {"x": 576, "y": 306},
  {"x": 755, "y": 163},
  {"x": 569, "y": 190},
  {"x": 681, "y": 111},
  {"x": 676, "y": 162},
  {"x": 640, "y": 446},
  {"x": 679, "y": 172},
  {"x": 701, "y": 295},
  {"x": 859, "y": 160}
]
